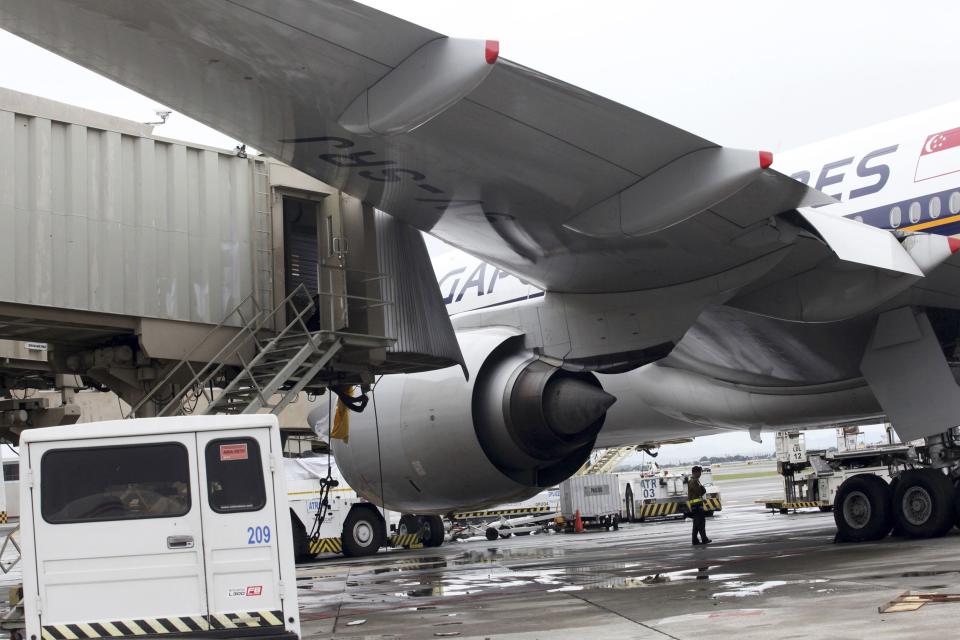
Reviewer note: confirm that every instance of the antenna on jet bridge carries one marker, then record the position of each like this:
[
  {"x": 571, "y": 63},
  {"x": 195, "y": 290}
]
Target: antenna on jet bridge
[{"x": 163, "y": 115}]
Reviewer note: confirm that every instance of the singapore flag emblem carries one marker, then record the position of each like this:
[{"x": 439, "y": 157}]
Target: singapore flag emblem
[{"x": 940, "y": 155}]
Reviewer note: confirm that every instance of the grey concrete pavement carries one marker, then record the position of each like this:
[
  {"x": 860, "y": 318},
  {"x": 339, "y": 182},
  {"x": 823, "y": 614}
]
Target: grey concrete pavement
[{"x": 766, "y": 575}]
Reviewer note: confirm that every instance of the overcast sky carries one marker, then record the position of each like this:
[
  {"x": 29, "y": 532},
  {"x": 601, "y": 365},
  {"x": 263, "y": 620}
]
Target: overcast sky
[{"x": 752, "y": 73}]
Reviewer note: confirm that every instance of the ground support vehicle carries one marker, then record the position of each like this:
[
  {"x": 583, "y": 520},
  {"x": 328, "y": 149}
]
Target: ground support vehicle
[
  {"x": 812, "y": 478},
  {"x": 327, "y": 516},
  {"x": 156, "y": 527},
  {"x": 908, "y": 488},
  {"x": 664, "y": 495}
]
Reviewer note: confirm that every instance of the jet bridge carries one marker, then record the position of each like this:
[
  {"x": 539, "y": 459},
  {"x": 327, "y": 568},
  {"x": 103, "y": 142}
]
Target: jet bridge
[{"x": 164, "y": 271}]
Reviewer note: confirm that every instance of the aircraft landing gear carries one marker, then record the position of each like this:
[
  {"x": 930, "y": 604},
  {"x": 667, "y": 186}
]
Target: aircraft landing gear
[
  {"x": 919, "y": 503},
  {"x": 862, "y": 509},
  {"x": 923, "y": 503}
]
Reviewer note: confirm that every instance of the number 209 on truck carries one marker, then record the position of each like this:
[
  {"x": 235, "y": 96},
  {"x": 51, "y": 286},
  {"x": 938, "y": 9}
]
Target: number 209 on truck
[{"x": 157, "y": 527}]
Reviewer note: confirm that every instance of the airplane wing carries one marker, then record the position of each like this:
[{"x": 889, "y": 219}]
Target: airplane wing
[{"x": 567, "y": 189}]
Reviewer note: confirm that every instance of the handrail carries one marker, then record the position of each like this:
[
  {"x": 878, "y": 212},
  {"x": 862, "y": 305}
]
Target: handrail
[
  {"x": 269, "y": 346},
  {"x": 222, "y": 364},
  {"x": 195, "y": 347},
  {"x": 216, "y": 363}
]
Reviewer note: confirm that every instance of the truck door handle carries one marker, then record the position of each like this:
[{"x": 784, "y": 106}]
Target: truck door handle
[{"x": 180, "y": 542}]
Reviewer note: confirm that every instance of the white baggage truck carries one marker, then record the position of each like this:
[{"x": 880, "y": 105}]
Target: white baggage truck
[{"x": 156, "y": 527}]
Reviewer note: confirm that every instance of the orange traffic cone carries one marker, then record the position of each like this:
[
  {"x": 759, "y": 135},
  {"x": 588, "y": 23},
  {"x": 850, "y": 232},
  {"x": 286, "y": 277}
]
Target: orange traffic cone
[{"x": 578, "y": 523}]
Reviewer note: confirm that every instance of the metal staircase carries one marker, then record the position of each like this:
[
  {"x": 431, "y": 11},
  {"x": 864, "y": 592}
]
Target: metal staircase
[
  {"x": 274, "y": 366},
  {"x": 282, "y": 367},
  {"x": 607, "y": 461}
]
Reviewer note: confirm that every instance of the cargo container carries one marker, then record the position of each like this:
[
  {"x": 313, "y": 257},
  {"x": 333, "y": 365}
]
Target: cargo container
[{"x": 596, "y": 497}]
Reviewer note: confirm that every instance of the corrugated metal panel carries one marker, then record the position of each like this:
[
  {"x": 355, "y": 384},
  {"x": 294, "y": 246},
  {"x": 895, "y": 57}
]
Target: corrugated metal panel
[
  {"x": 595, "y": 495},
  {"x": 417, "y": 317},
  {"x": 116, "y": 221}
]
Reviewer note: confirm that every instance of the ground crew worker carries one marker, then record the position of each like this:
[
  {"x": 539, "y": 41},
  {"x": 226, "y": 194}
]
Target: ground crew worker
[{"x": 695, "y": 493}]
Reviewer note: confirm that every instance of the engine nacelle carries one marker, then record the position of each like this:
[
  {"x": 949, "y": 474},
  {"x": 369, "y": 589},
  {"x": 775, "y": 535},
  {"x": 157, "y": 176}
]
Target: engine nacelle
[{"x": 516, "y": 426}]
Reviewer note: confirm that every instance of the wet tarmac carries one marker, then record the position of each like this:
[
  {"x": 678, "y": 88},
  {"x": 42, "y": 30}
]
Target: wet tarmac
[{"x": 766, "y": 575}]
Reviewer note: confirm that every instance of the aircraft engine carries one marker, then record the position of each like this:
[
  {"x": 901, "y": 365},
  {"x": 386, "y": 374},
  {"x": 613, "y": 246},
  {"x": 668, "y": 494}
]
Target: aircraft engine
[{"x": 434, "y": 442}]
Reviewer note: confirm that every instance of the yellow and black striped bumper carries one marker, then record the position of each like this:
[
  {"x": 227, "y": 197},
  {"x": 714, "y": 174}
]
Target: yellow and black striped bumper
[
  {"x": 326, "y": 545},
  {"x": 170, "y": 626},
  {"x": 496, "y": 513},
  {"x": 712, "y": 504},
  {"x": 662, "y": 509},
  {"x": 3, "y": 517},
  {"x": 407, "y": 540},
  {"x": 655, "y": 510},
  {"x": 803, "y": 504},
  {"x": 335, "y": 545}
]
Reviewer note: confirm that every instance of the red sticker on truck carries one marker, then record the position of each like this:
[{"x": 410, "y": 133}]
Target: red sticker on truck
[
  {"x": 255, "y": 591},
  {"x": 233, "y": 451}
]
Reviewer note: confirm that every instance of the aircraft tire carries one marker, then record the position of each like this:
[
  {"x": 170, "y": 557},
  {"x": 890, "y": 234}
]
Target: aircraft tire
[
  {"x": 923, "y": 503},
  {"x": 409, "y": 523},
  {"x": 363, "y": 532},
  {"x": 492, "y": 534},
  {"x": 862, "y": 509},
  {"x": 432, "y": 532}
]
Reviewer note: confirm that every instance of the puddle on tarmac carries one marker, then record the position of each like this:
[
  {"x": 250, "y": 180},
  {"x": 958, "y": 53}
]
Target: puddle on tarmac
[
  {"x": 745, "y": 589},
  {"x": 489, "y": 570}
]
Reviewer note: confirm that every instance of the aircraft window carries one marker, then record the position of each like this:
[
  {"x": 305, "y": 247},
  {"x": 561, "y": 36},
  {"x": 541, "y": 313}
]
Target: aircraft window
[
  {"x": 954, "y": 202},
  {"x": 914, "y": 212},
  {"x": 235, "y": 475},
  {"x": 895, "y": 217},
  {"x": 96, "y": 484},
  {"x": 935, "y": 207}
]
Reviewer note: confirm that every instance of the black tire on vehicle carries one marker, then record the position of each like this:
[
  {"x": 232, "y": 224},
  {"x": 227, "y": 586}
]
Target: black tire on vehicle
[
  {"x": 363, "y": 532},
  {"x": 301, "y": 542},
  {"x": 432, "y": 532},
  {"x": 409, "y": 523},
  {"x": 923, "y": 503},
  {"x": 862, "y": 510},
  {"x": 492, "y": 534},
  {"x": 616, "y": 523}
]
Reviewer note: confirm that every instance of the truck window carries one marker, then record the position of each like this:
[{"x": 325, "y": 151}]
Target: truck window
[
  {"x": 128, "y": 482},
  {"x": 11, "y": 472},
  {"x": 235, "y": 475}
]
